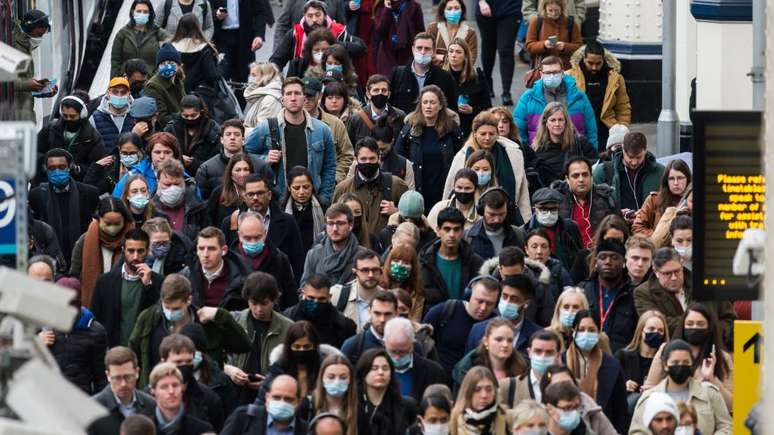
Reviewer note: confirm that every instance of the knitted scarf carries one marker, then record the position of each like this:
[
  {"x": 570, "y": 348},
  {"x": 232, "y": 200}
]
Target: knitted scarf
[
  {"x": 584, "y": 369},
  {"x": 91, "y": 267}
]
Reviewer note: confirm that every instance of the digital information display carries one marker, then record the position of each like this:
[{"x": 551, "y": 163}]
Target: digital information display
[{"x": 729, "y": 189}]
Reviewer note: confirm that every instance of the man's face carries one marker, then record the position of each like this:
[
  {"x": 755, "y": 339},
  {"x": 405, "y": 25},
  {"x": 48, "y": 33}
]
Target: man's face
[
  {"x": 516, "y": 269},
  {"x": 380, "y": 313},
  {"x": 551, "y": 69},
  {"x": 261, "y": 311},
  {"x": 514, "y": 295},
  {"x": 134, "y": 253},
  {"x": 338, "y": 227},
  {"x": 379, "y": 88},
  {"x": 232, "y": 140},
  {"x": 40, "y": 271},
  {"x": 482, "y": 302},
  {"x": 495, "y": 217},
  {"x": 670, "y": 276},
  {"x": 166, "y": 181},
  {"x": 319, "y": 295},
  {"x": 314, "y": 17},
  {"x": 634, "y": 160},
  {"x": 365, "y": 155},
  {"x": 257, "y": 196},
  {"x": 168, "y": 392},
  {"x": 283, "y": 390},
  {"x": 543, "y": 348},
  {"x": 176, "y": 304},
  {"x": 119, "y": 91},
  {"x": 210, "y": 252},
  {"x": 311, "y": 102},
  {"x": 563, "y": 405},
  {"x": 663, "y": 423},
  {"x": 293, "y": 98},
  {"x": 180, "y": 358},
  {"x": 54, "y": 163},
  {"x": 123, "y": 379},
  {"x": 251, "y": 230},
  {"x": 638, "y": 262},
  {"x": 368, "y": 272},
  {"x": 423, "y": 46},
  {"x": 398, "y": 346},
  {"x": 450, "y": 234},
  {"x": 579, "y": 178},
  {"x": 594, "y": 62},
  {"x": 610, "y": 265},
  {"x": 38, "y": 32}
]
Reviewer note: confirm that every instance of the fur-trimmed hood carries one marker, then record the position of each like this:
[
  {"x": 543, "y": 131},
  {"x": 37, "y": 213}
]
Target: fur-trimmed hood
[
  {"x": 492, "y": 265},
  {"x": 610, "y": 59},
  {"x": 325, "y": 350}
]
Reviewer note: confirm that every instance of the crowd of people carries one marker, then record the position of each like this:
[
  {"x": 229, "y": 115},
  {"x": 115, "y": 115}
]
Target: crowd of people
[{"x": 373, "y": 248}]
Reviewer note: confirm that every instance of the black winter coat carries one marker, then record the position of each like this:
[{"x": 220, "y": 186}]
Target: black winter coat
[
  {"x": 182, "y": 252},
  {"x": 232, "y": 297},
  {"x": 603, "y": 202},
  {"x": 356, "y": 128},
  {"x": 621, "y": 322},
  {"x": 284, "y": 51},
  {"x": 201, "y": 68},
  {"x": 201, "y": 402},
  {"x": 549, "y": 161},
  {"x": 477, "y": 93},
  {"x": 44, "y": 242},
  {"x": 253, "y": 18},
  {"x": 209, "y": 175},
  {"x": 388, "y": 418},
  {"x": 251, "y": 420},
  {"x": 104, "y": 178},
  {"x": 433, "y": 280},
  {"x": 87, "y": 148},
  {"x": 81, "y": 356},
  {"x": 189, "y": 425},
  {"x": 202, "y": 147},
  {"x": 332, "y": 328},
  {"x": 481, "y": 245},
  {"x": 405, "y": 89},
  {"x": 111, "y": 424},
  {"x": 276, "y": 264},
  {"x": 195, "y": 213},
  {"x": 569, "y": 239}
]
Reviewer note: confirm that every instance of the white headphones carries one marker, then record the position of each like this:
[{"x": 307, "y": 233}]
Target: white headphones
[{"x": 84, "y": 110}]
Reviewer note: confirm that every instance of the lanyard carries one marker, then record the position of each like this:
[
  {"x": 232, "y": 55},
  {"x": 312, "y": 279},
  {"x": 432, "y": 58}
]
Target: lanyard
[{"x": 603, "y": 314}]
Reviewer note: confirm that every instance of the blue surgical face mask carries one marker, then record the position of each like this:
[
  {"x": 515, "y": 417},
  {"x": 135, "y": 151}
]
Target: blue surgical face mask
[
  {"x": 586, "y": 340},
  {"x": 141, "y": 18},
  {"x": 402, "y": 364},
  {"x": 336, "y": 387},
  {"x": 197, "y": 359},
  {"x": 453, "y": 17},
  {"x": 552, "y": 81},
  {"x": 129, "y": 160},
  {"x": 167, "y": 70},
  {"x": 119, "y": 102},
  {"x": 569, "y": 420},
  {"x": 58, "y": 177},
  {"x": 566, "y": 318},
  {"x": 484, "y": 177},
  {"x": 173, "y": 315},
  {"x": 422, "y": 59},
  {"x": 541, "y": 363},
  {"x": 280, "y": 410},
  {"x": 508, "y": 310},
  {"x": 139, "y": 201},
  {"x": 331, "y": 67},
  {"x": 253, "y": 248}
]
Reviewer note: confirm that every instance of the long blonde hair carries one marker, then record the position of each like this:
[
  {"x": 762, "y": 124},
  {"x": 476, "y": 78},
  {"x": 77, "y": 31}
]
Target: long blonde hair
[
  {"x": 266, "y": 73},
  {"x": 543, "y": 137},
  {"x": 468, "y": 69},
  {"x": 443, "y": 125},
  {"x": 465, "y": 395},
  {"x": 634, "y": 345},
  {"x": 349, "y": 401},
  {"x": 556, "y": 322}
]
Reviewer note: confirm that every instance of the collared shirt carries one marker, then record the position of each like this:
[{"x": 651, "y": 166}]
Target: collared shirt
[
  {"x": 681, "y": 298},
  {"x": 535, "y": 387},
  {"x": 272, "y": 430},
  {"x": 375, "y": 116},
  {"x": 127, "y": 410},
  {"x": 232, "y": 19},
  {"x": 210, "y": 277},
  {"x": 126, "y": 276},
  {"x": 266, "y": 218},
  {"x": 362, "y": 312},
  {"x": 420, "y": 78}
]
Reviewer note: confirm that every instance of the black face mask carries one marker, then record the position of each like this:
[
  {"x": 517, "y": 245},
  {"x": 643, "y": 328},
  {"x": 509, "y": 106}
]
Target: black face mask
[
  {"x": 305, "y": 357},
  {"x": 192, "y": 122},
  {"x": 464, "y": 197},
  {"x": 695, "y": 336},
  {"x": 379, "y": 101},
  {"x": 187, "y": 370},
  {"x": 679, "y": 373},
  {"x": 136, "y": 88},
  {"x": 72, "y": 126},
  {"x": 654, "y": 339},
  {"x": 368, "y": 170}
]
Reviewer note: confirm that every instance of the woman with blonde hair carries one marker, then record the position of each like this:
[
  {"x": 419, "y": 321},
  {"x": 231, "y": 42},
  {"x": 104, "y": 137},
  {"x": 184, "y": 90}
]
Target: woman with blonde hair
[
  {"x": 402, "y": 270},
  {"x": 569, "y": 302},
  {"x": 136, "y": 196},
  {"x": 429, "y": 139},
  {"x": 477, "y": 409},
  {"x": 555, "y": 141},
  {"x": 472, "y": 91},
  {"x": 507, "y": 157},
  {"x": 336, "y": 391},
  {"x": 552, "y": 33},
  {"x": 263, "y": 93},
  {"x": 529, "y": 417}
]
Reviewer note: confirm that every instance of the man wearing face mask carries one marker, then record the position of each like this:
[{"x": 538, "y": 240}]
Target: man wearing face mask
[
  {"x": 136, "y": 72},
  {"x": 276, "y": 416},
  {"x": 378, "y": 191},
  {"x": 494, "y": 232},
  {"x": 565, "y": 237},
  {"x": 414, "y": 371},
  {"x": 344, "y": 153},
  {"x": 177, "y": 200},
  {"x": 27, "y": 36},
  {"x": 378, "y": 111},
  {"x": 145, "y": 114},
  {"x": 121, "y": 294},
  {"x": 173, "y": 312},
  {"x": 166, "y": 86},
  {"x": 200, "y": 401},
  {"x": 611, "y": 294},
  {"x": 315, "y": 306},
  {"x": 563, "y": 403},
  {"x": 112, "y": 118},
  {"x": 544, "y": 351},
  {"x": 407, "y": 80}
]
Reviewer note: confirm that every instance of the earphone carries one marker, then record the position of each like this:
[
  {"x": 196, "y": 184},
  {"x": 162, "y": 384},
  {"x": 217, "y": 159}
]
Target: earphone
[
  {"x": 84, "y": 110},
  {"x": 469, "y": 288}
]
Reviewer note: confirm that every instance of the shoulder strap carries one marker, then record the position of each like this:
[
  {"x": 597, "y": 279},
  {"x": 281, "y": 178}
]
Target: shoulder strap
[
  {"x": 446, "y": 313},
  {"x": 167, "y": 9},
  {"x": 274, "y": 133},
  {"x": 511, "y": 399},
  {"x": 386, "y": 186},
  {"x": 539, "y": 25},
  {"x": 366, "y": 119},
  {"x": 341, "y": 304}
]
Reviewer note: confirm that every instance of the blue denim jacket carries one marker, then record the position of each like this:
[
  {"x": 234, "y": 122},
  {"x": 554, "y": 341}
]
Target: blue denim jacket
[{"x": 321, "y": 154}]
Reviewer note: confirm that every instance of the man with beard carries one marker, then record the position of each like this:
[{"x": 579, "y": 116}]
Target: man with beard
[
  {"x": 598, "y": 74},
  {"x": 490, "y": 235},
  {"x": 611, "y": 294},
  {"x": 130, "y": 287},
  {"x": 354, "y": 298},
  {"x": 315, "y": 16},
  {"x": 315, "y": 306},
  {"x": 378, "y": 191}
]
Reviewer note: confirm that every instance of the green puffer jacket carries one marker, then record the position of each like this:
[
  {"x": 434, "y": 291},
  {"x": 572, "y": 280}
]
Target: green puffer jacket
[
  {"x": 131, "y": 43},
  {"x": 278, "y": 329},
  {"x": 24, "y": 103},
  {"x": 224, "y": 335},
  {"x": 608, "y": 173}
]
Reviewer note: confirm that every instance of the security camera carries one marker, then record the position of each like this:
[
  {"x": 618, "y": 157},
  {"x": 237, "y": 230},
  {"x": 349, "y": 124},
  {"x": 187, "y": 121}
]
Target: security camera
[
  {"x": 18, "y": 140},
  {"x": 12, "y": 63},
  {"x": 40, "y": 303},
  {"x": 748, "y": 260}
]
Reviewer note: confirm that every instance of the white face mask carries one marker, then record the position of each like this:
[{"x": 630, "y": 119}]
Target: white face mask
[
  {"x": 436, "y": 429},
  {"x": 547, "y": 218},
  {"x": 35, "y": 42},
  {"x": 684, "y": 430},
  {"x": 317, "y": 56},
  {"x": 686, "y": 253}
]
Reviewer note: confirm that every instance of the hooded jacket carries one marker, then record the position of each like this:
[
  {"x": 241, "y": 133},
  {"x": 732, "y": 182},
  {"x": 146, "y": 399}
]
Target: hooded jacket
[
  {"x": 616, "y": 108},
  {"x": 110, "y": 125},
  {"x": 262, "y": 102}
]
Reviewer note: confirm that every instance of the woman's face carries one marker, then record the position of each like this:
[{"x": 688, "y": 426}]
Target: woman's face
[
  {"x": 355, "y": 207},
  {"x": 653, "y": 324},
  {"x": 403, "y": 309},
  {"x": 486, "y": 136},
  {"x": 141, "y": 9},
  {"x": 129, "y": 148},
  {"x": 334, "y": 104},
  {"x": 572, "y": 302},
  {"x": 137, "y": 187},
  {"x": 500, "y": 342},
  {"x": 556, "y": 123},
  {"x": 379, "y": 375},
  {"x": 112, "y": 219},
  {"x": 456, "y": 56},
  {"x": 453, "y": 5},
  {"x": 695, "y": 320},
  {"x": 302, "y": 344},
  {"x": 481, "y": 166},
  {"x": 553, "y": 11},
  {"x": 431, "y": 106},
  {"x": 483, "y": 395},
  {"x": 301, "y": 189},
  {"x": 538, "y": 249},
  {"x": 320, "y": 47},
  {"x": 464, "y": 185},
  {"x": 587, "y": 325},
  {"x": 536, "y": 424},
  {"x": 503, "y": 126},
  {"x": 239, "y": 172},
  {"x": 677, "y": 182},
  {"x": 332, "y": 61},
  {"x": 336, "y": 372},
  {"x": 159, "y": 154},
  {"x": 435, "y": 415}
]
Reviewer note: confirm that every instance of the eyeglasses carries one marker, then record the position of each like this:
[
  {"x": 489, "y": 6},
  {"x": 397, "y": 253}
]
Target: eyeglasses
[
  {"x": 670, "y": 273},
  {"x": 256, "y": 194},
  {"x": 370, "y": 271}
]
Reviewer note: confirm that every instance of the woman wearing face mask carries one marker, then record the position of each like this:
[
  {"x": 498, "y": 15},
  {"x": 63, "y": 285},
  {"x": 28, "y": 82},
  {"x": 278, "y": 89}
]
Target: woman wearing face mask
[
  {"x": 402, "y": 270},
  {"x": 677, "y": 360},
  {"x": 161, "y": 146},
  {"x": 550, "y": 272},
  {"x": 336, "y": 58},
  {"x": 495, "y": 352},
  {"x": 572, "y": 300},
  {"x": 140, "y": 38},
  {"x": 169, "y": 251},
  {"x": 449, "y": 25},
  {"x": 552, "y": 33},
  {"x": 507, "y": 162},
  {"x": 472, "y": 92},
  {"x": 477, "y": 410},
  {"x": 336, "y": 392},
  {"x": 302, "y": 204},
  {"x": 463, "y": 198},
  {"x": 681, "y": 235},
  {"x": 199, "y": 56},
  {"x": 677, "y": 177},
  {"x": 167, "y": 86},
  {"x": 482, "y": 163},
  {"x": 136, "y": 197},
  {"x": 99, "y": 248},
  {"x": 197, "y": 133},
  {"x": 312, "y": 54},
  {"x": 530, "y": 418},
  {"x": 711, "y": 363},
  {"x": 433, "y": 418},
  {"x": 397, "y": 23},
  {"x": 599, "y": 375},
  {"x": 688, "y": 419},
  {"x": 382, "y": 410},
  {"x": 611, "y": 227},
  {"x": 228, "y": 196},
  {"x": 637, "y": 357},
  {"x": 263, "y": 93},
  {"x": 359, "y": 228},
  {"x": 105, "y": 173}
]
